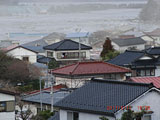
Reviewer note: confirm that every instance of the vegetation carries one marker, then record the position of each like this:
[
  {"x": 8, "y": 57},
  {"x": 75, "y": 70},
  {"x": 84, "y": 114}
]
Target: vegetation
[
  {"x": 43, "y": 115},
  {"x": 14, "y": 71},
  {"x": 53, "y": 64},
  {"x": 103, "y": 118},
  {"x": 108, "y": 52}
]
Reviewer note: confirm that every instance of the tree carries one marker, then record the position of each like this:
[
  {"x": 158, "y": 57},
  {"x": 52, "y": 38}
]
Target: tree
[
  {"x": 103, "y": 118},
  {"x": 107, "y": 46},
  {"x": 108, "y": 52},
  {"x": 53, "y": 64},
  {"x": 43, "y": 115},
  {"x": 128, "y": 115}
]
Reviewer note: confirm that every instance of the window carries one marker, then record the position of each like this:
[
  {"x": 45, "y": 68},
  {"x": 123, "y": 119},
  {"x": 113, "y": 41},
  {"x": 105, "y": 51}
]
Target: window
[
  {"x": 2, "y": 106},
  {"x": 71, "y": 55},
  {"x": 147, "y": 117},
  {"x": 8, "y": 106},
  {"x": 145, "y": 72},
  {"x": 49, "y": 54},
  {"x": 25, "y": 59},
  {"x": 72, "y": 116}
]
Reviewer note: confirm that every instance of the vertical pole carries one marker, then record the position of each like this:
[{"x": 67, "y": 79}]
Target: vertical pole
[
  {"x": 52, "y": 84},
  {"x": 40, "y": 93},
  {"x": 79, "y": 50}
]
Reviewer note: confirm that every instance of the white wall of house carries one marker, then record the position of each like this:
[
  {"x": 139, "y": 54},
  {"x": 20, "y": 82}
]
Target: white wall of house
[
  {"x": 82, "y": 116},
  {"x": 20, "y": 52},
  {"x": 55, "y": 54},
  {"x": 7, "y": 115},
  {"x": 123, "y": 48},
  {"x": 157, "y": 71},
  {"x": 151, "y": 99}
]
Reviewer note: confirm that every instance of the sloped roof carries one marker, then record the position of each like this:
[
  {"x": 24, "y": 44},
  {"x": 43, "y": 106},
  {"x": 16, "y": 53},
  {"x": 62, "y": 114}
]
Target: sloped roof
[
  {"x": 89, "y": 68},
  {"x": 44, "y": 60},
  {"x": 46, "y": 99},
  {"x": 96, "y": 96},
  {"x": 126, "y": 58},
  {"x": 129, "y": 41},
  {"x": 153, "y": 51},
  {"x": 40, "y": 42},
  {"x": 66, "y": 44},
  {"x": 155, "y": 33},
  {"x": 154, "y": 80},
  {"x": 23, "y": 48}
]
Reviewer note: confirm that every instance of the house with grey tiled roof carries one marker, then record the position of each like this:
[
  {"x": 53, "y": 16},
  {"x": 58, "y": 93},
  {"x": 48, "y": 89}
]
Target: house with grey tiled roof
[
  {"x": 142, "y": 63},
  {"x": 135, "y": 43},
  {"x": 68, "y": 50},
  {"x": 109, "y": 99}
]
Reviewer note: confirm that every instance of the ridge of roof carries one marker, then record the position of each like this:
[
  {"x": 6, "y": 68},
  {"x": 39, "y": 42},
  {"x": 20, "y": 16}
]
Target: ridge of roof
[
  {"x": 122, "y": 82},
  {"x": 22, "y": 47}
]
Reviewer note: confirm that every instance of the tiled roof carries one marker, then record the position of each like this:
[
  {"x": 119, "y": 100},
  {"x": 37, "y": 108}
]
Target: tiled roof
[
  {"x": 40, "y": 42},
  {"x": 154, "y": 80},
  {"x": 44, "y": 60},
  {"x": 55, "y": 88},
  {"x": 90, "y": 68},
  {"x": 126, "y": 58},
  {"x": 129, "y": 41},
  {"x": 66, "y": 44},
  {"x": 46, "y": 97},
  {"x": 153, "y": 51},
  {"x": 97, "y": 95}
]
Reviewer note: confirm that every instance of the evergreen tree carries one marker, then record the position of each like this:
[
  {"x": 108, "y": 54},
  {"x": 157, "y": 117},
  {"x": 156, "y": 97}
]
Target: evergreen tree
[{"x": 107, "y": 47}]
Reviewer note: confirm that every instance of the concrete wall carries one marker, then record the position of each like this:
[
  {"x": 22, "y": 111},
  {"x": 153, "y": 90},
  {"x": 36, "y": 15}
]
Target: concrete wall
[
  {"x": 82, "y": 116},
  {"x": 157, "y": 71},
  {"x": 21, "y": 52},
  {"x": 151, "y": 99},
  {"x": 7, "y": 115},
  {"x": 123, "y": 48}
]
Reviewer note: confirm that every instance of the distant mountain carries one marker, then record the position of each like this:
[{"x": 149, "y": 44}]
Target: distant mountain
[{"x": 151, "y": 11}]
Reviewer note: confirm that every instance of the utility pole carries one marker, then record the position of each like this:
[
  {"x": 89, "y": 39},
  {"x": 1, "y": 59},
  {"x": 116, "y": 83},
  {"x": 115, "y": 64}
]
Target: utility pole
[
  {"x": 40, "y": 80},
  {"x": 52, "y": 84},
  {"x": 79, "y": 49}
]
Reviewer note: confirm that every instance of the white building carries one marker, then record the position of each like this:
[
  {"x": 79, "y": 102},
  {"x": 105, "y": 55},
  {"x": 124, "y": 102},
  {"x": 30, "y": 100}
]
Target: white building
[
  {"x": 24, "y": 54},
  {"x": 68, "y": 50},
  {"x": 136, "y": 43},
  {"x": 109, "y": 98},
  {"x": 7, "y": 105}
]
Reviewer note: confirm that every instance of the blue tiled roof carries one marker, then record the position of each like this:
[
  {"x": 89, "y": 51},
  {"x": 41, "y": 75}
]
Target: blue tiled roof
[
  {"x": 126, "y": 58},
  {"x": 77, "y": 35},
  {"x": 66, "y": 44},
  {"x": 153, "y": 51},
  {"x": 97, "y": 95},
  {"x": 38, "y": 49},
  {"x": 44, "y": 60},
  {"x": 40, "y": 42},
  {"x": 129, "y": 41},
  {"x": 46, "y": 97}
]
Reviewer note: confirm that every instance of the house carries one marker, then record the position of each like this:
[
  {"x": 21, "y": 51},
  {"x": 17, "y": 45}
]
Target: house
[
  {"x": 32, "y": 101},
  {"x": 154, "y": 80},
  {"x": 23, "y": 53},
  {"x": 7, "y": 105},
  {"x": 7, "y": 43},
  {"x": 155, "y": 34},
  {"x": 108, "y": 98},
  {"x": 142, "y": 63},
  {"x": 68, "y": 50},
  {"x": 37, "y": 46},
  {"x": 136, "y": 43},
  {"x": 82, "y": 37},
  {"x": 75, "y": 75}
]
